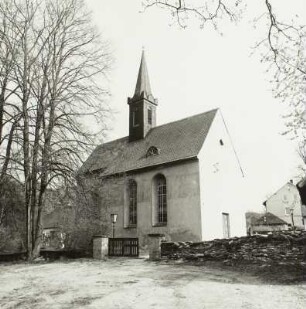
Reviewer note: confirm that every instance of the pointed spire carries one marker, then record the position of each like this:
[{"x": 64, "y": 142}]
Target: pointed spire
[{"x": 143, "y": 88}]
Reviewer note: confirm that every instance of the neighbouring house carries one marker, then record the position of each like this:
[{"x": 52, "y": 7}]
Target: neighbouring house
[
  {"x": 59, "y": 218},
  {"x": 266, "y": 223},
  {"x": 53, "y": 238},
  {"x": 250, "y": 218},
  {"x": 181, "y": 179},
  {"x": 53, "y": 221},
  {"x": 288, "y": 204}
]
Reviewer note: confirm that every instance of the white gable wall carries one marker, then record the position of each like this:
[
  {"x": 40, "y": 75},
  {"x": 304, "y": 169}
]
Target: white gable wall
[
  {"x": 221, "y": 183},
  {"x": 286, "y": 197}
]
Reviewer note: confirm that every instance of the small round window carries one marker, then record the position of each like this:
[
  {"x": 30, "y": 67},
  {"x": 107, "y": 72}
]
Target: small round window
[{"x": 153, "y": 151}]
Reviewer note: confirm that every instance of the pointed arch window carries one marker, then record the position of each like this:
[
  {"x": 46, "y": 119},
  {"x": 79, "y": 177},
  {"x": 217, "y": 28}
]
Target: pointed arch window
[
  {"x": 132, "y": 202},
  {"x": 149, "y": 115},
  {"x": 160, "y": 200},
  {"x": 135, "y": 117}
]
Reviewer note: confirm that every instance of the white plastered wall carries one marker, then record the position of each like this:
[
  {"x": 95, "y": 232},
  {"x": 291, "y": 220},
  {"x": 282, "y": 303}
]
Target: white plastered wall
[
  {"x": 286, "y": 197},
  {"x": 221, "y": 182},
  {"x": 183, "y": 203}
]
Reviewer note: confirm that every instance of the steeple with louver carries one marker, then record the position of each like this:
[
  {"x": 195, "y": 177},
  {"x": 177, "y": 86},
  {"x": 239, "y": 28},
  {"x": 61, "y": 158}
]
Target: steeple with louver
[{"x": 142, "y": 105}]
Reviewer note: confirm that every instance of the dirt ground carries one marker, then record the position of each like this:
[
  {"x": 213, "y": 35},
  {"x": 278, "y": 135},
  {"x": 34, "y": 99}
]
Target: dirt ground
[{"x": 138, "y": 283}]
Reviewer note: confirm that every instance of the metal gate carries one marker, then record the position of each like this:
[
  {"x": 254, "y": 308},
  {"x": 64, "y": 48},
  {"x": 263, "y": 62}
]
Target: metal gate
[{"x": 123, "y": 247}]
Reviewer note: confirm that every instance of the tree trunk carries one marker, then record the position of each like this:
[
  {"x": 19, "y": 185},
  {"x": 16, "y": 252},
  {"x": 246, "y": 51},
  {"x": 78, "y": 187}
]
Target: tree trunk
[
  {"x": 38, "y": 225},
  {"x": 292, "y": 219}
]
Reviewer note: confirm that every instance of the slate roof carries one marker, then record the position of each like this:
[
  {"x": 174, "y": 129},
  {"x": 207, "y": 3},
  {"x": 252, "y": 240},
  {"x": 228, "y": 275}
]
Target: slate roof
[
  {"x": 269, "y": 219},
  {"x": 143, "y": 87},
  {"x": 252, "y": 217},
  {"x": 175, "y": 141}
]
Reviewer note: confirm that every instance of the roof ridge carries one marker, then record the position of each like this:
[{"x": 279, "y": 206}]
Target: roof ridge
[
  {"x": 182, "y": 119},
  {"x": 113, "y": 140}
]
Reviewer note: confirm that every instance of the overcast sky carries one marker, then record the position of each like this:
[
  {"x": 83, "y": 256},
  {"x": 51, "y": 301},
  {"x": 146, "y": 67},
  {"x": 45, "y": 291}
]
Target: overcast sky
[{"x": 192, "y": 71}]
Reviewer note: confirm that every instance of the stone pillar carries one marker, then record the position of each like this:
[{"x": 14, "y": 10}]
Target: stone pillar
[
  {"x": 100, "y": 247},
  {"x": 154, "y": 245}
]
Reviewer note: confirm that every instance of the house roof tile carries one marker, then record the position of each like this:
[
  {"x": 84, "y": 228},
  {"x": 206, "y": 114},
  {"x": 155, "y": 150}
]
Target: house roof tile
[{"x": 269, "y": 219}]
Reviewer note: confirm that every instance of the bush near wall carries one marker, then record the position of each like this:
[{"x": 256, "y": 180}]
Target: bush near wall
[
  {"x": 278, "y": 248},
  {"x": 12, "y": 216}
]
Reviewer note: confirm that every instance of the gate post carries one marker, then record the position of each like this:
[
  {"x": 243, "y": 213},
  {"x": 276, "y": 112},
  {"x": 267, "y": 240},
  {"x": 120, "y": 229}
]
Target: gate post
[
  {"x": 154, "y": 245},
  {"x": 100, "y": 247}
]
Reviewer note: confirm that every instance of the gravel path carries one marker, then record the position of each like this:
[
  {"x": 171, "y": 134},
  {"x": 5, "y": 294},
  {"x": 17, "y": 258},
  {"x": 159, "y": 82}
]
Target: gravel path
[{"x": 138, "y": 283}]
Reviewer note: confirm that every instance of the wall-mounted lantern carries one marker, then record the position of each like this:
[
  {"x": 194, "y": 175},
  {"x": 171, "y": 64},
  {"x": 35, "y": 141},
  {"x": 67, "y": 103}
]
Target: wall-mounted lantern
[{"x": 113, "y": 220}]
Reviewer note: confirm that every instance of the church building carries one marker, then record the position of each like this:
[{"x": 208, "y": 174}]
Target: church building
[{"x": 181, "y": 179}]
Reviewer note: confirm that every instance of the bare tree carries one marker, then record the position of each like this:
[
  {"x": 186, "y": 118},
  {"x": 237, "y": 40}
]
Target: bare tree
[
  {"x": 9, "y": 110},
  {"x": 60, "y": 72},
  {"x": 8, "y": 49},
  {"x": 282, "y": 49},
  {"x": 204, "y": 11},
  {"x": 73, "y": 63},
  {"x": 284, "y": 52}
]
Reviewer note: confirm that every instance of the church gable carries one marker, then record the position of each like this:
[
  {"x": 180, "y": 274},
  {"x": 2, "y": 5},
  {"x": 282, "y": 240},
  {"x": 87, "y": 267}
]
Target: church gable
[
  {"x": 221, "y": 184},
  {"x": 218, "y": 152}
]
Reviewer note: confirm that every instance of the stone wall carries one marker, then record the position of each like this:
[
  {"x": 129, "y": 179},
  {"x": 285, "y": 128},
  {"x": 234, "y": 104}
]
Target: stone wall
[{"x": 278, "y": 248}]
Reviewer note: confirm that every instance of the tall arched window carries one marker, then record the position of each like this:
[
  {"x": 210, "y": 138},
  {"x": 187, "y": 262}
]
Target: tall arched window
[
  {"x": 132, "y": 201},
  {"x": 160, "y": 199}
]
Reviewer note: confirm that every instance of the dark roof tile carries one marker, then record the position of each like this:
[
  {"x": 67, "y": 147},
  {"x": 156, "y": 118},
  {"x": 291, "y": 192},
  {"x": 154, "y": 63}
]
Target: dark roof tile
[
  {"x": 269, "y": 219},
  {"x": 177, "y": 140}
]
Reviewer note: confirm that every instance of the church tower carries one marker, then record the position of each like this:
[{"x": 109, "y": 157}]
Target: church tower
[{"x": 142, "y": 105}]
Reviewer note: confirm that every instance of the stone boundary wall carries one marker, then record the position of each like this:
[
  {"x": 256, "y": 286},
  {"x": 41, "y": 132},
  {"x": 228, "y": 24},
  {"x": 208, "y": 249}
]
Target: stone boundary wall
[{"x": 287, "y": 247}]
